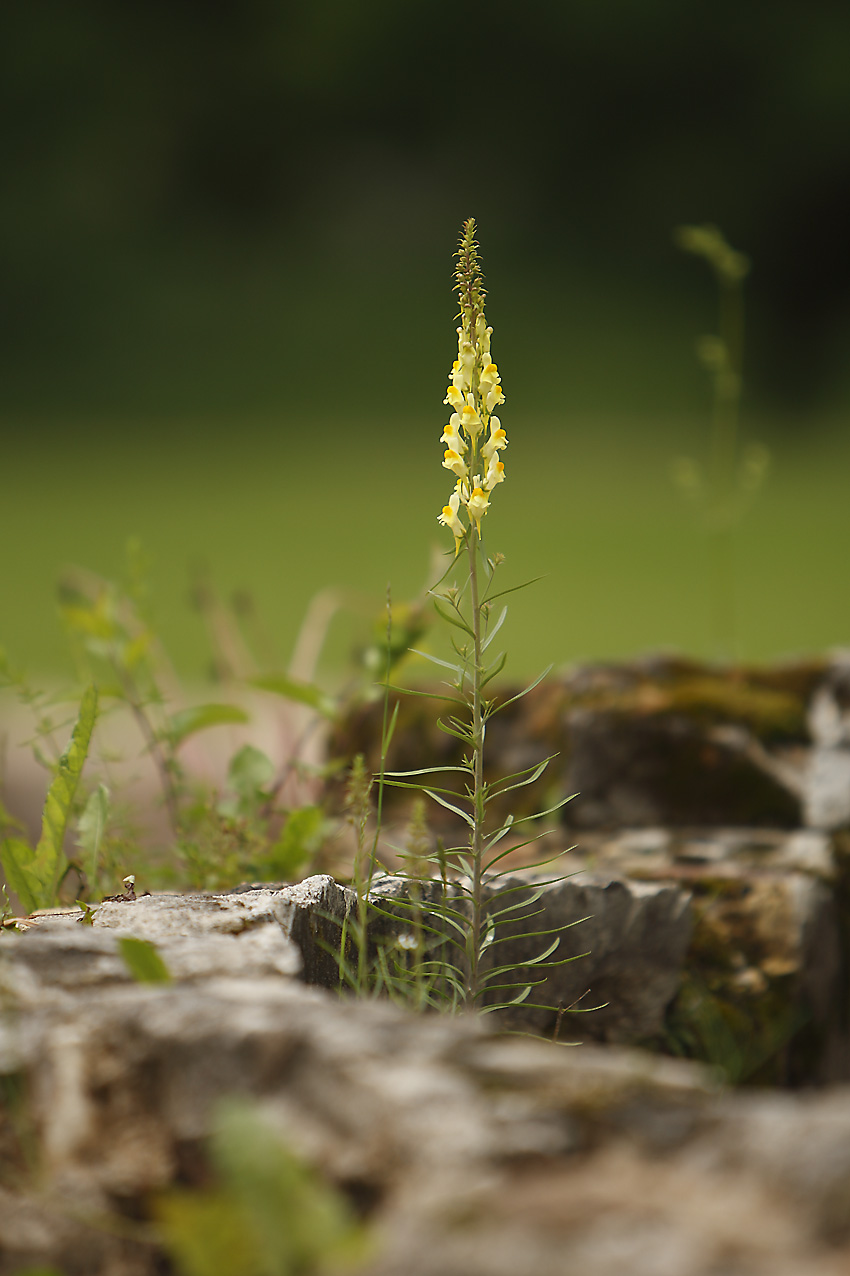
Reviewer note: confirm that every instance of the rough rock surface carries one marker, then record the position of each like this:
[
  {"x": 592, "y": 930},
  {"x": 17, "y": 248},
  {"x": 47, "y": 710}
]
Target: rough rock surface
[
  {"x": 661, "y": 740},
  {"x": 828, "y": 786},
  {"x": 464, "y": 1153},
  {"x": 628, "y": 941}
]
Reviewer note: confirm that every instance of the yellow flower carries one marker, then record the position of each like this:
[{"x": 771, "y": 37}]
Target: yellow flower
[
  {"x": 493, "y": 397},
  {"x": 451, "y": 435},
  {"x": 449, "y": 518},
  {"x": 478, "y": 503},
  {"x": 454, "y": 462},
  {"x": 466, "y": 353},
  {"x": 489, "y": 375},
  {"x": 454, "y": 396},
  {"x": 495, "y": 473},
  {"x": 470, "y": 420},
  {"x": 459, "y": 378},
  {"x": 497, "y": 440}
]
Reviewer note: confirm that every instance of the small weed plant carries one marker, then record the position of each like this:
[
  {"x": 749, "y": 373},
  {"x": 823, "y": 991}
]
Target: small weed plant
[
  {"x": 217, "y": 837},
  {"x": 723, "y": 489}
]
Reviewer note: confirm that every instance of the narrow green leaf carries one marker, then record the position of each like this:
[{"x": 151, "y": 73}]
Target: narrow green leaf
[
  {"x": 187, "y": 722},
  {"x": 453, "y": 620},
  {"x": 450, "y": 807},
  {"x": 435, "y": 660},
  {"x": 534, "y": 773},
  {"x": 17, "y": 857},
  {"x": 466, "y": 736},
  {"x": 390, "y": 731},
  {"x": 519, "y": 695},
  {"x": 431, "y": 770},
  {"x": 302, "y": 692},
  {"x": 513, "y": 589},
  {"x": 91, "y": 827},
  {"x": 494, "y": 670},
  {"x": 143, "y": 961},
  {"x": 495, "y": 629},
  {"x": 426, "y": 695},
  {"x": 420, "y": 788},
  {"x": 49, "y": 863}
]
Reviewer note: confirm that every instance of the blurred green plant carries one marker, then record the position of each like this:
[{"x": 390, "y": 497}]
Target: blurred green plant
[
  {"x": 268, "y": 1213},
  {"x": 243, "y": 833},
  {"x": 143, "y": 960},
  {"x": 219, "y": 838},
  {"x": 36, "y": 874},
  {"x": 722, "y": 490}
]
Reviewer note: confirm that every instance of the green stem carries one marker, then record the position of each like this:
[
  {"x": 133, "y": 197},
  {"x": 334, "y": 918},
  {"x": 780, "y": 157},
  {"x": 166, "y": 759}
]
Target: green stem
[
  {"x": 363, "y": 889},
  {"x": 477, "y": 836},
  {"x": 727, "y": 406}
]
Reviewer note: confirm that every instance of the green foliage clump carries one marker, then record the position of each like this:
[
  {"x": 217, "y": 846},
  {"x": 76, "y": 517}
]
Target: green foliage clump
[{"x": 267, "y": 1214}]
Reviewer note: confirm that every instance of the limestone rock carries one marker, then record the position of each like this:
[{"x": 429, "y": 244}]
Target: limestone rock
[
  {"x": 827, "y": 798},
  {"x": 463, "y": 1153},
  {"x": 663, "y": 768},
  {"x": 622, "y": 943}
]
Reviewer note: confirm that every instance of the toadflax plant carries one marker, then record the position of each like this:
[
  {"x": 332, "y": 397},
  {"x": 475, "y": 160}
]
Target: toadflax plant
[{"x": 457, "y": 963}]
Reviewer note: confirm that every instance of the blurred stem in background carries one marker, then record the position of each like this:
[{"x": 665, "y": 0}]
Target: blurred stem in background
[{"x": 725, "y": 489}]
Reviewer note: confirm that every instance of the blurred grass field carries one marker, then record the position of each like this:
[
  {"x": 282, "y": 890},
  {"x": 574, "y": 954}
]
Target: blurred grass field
[{"x": 282, "y": 510}]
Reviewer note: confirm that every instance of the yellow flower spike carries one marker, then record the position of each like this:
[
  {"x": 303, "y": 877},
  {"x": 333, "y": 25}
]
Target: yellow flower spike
[
  {"x": 474, "y": 391},
  {"x": 449, "y": 518},
  {"x": 454, "y": 462},
  {"x": 478, "y": 503}
]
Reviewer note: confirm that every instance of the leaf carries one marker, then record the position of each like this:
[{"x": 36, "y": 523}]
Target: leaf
[
  {"x": 8, "y": 820},
  {"x": 389, "y": 731},
  {"x": 17, "y": 857},
  {"x": 513, "y": 589},
  {"x": 250, "y": 777},
  {"x": 91, "y": 827},
  {"x": 41, "y": 871},
  {"x": 461, "y": 734},
  {"x": 494, "y": 670},
  {"x": 519, "y": 695},
  {"x": 448, "y": 805},
  {"x": 430, "y": 770},
  {"x": 297, "y": 844},
  {"x": 453, "y": 620},
  {"x": 250, "y": 771},
  {"x": 301, "y": 692},
  {"x": 143, "y": 961},
  {"x": 495, "y": 629},
  {"x": 435, "y": 660},
  {"x": 531, "y": 775},
  {"x": 187, "y": 722},
  {"x": 427, "y": 695}
]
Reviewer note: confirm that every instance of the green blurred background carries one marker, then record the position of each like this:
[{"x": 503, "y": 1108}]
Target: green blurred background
[{"x": 225, "y": 244}]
